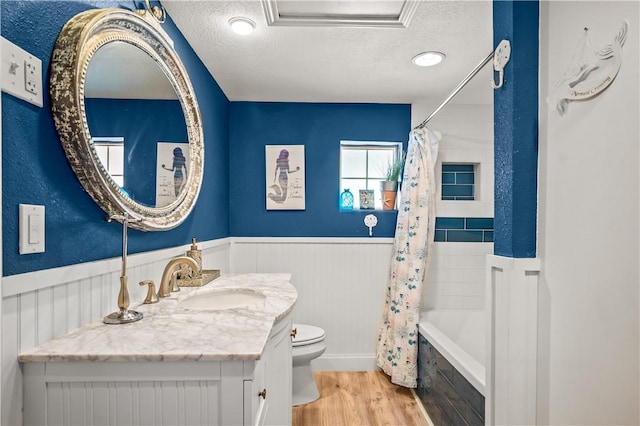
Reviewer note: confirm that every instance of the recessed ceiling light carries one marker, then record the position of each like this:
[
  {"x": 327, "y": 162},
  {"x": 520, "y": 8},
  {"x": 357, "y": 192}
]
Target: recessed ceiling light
[
  {"x": 242, "y": 26},
  {"x": 427, "y": 59}
]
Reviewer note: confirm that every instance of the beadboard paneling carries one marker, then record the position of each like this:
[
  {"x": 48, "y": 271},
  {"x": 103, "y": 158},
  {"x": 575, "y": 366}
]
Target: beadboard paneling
[
  {"x": 128, "y": 403},
  {"x": 341, "y": 286},
  {"x": 511, "y": 340},
  {"x": 60, "y": 300},
  {"x": 130, "y": 393}
]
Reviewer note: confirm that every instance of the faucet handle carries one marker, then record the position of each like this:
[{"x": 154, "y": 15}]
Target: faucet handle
[
  {"x": 173, "y": 284},
  {"x": 152, "y": 297}
]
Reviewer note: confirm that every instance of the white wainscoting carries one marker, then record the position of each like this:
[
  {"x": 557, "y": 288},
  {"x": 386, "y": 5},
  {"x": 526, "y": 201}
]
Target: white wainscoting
[
  {"x": 341, "y": 285},
  {"x": 131, "y": 393},
  {"x": 511, "y": 340},
  {"x": 41, "y": 305}
]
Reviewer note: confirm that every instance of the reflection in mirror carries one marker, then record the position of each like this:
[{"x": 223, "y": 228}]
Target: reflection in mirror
[
  {"x": 136, "y": 123},
  {"x": 113, "y": 107},
  {"x": 111, "y": 154}
]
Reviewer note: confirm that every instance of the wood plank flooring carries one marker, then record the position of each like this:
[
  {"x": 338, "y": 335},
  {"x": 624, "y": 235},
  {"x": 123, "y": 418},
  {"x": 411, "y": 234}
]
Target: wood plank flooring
[{"x": 365, "y": 398}]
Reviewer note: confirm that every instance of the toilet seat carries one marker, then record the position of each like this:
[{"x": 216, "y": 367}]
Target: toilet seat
[{"x": 307, "y": 335}]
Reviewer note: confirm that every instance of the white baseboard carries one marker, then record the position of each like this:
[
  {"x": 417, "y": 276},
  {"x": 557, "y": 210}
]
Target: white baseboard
[
  {"x": 345, "y": 362},
  {"x": 423, "y": 410}
]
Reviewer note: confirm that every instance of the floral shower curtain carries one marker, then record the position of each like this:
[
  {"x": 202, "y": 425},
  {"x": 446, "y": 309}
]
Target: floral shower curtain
[{"x": 397, "y": 349}]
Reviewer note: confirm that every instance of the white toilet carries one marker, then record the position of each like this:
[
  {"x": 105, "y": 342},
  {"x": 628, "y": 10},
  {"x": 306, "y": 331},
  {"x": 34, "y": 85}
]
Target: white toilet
[{"x": 308, "y": 344}]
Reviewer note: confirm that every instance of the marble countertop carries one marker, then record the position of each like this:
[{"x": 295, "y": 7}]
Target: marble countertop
[{"x": 169, "y": 332}]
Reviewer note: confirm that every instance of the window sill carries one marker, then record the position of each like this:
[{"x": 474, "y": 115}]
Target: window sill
[{"x": 366, "y": 210}]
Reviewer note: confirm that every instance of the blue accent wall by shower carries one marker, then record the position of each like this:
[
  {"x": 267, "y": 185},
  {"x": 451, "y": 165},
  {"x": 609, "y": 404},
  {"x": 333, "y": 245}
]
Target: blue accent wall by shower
[
  {"x": 320, "y": 128},
  {"x": 35, "y": 169},
  {"x": 516, "y": 130}
]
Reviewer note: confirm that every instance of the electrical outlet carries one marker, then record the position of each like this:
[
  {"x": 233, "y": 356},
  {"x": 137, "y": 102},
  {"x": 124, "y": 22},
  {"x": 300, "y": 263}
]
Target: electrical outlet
[
  {"x": 21, "y": 73},
  {"x": 31, "y": 77}
]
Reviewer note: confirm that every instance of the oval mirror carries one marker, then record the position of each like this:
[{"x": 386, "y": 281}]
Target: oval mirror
[{"x": 127, "y": 117}]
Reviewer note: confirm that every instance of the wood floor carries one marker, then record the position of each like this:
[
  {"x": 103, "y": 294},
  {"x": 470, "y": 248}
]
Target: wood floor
[{"x": 359, "y": 399}]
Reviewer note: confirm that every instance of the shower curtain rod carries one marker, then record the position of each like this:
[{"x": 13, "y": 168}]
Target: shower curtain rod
[
  {"x": 459, "y": 87},
  {"x": 501, "y": 55}
]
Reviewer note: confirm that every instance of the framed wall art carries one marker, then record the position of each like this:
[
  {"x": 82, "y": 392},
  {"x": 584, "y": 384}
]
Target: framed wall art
[
  {"x": 367, "y": 201},
  {"x": 285, "y": 179}
]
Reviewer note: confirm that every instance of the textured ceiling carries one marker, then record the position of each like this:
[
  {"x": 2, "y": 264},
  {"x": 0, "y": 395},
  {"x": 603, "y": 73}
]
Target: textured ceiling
[
  {"x": 110, "y": 74},
  {"x": 341, "y": 64}
]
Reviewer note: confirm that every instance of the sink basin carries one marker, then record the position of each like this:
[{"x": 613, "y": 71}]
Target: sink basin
[{"x": 224, "y": 299}]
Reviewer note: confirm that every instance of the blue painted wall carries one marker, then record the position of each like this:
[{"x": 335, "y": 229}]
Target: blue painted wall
[
  {"x": 320, "y": 128},
  {"x": 516, "y": 130},
  {"x": 35, "y": 169}
]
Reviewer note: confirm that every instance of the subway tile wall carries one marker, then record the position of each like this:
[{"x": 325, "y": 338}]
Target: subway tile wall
[
  {"x": 464, "y": 229},
  {"x": 458, "y": 182}
]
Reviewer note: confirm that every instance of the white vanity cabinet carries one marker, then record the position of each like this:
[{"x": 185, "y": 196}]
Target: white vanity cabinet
[
  {"x": 268, "y": 395},
  {"x": 164, "y": 393}
]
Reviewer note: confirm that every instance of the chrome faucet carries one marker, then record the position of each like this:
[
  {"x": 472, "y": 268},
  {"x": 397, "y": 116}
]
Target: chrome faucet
[{"x": 168, "y": 276}]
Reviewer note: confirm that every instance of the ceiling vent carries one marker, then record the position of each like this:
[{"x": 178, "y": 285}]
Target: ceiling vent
[{"x": 350, "y": 13}]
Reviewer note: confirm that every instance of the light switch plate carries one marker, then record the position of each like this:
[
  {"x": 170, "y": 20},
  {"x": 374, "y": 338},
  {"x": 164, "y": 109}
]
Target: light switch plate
[
  {"x": 31, "y": 229},
  {"x": 21, "y": 73}
]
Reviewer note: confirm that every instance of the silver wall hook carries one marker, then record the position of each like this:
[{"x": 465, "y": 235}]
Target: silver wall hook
[
  {"x": 500, "y": 80},
  {"x": 500, "y": 59},
  {"x": 157, "y": 12}
]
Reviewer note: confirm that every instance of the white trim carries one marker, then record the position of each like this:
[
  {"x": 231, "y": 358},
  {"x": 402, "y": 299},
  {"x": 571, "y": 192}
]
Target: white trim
[
  {"x": 466, "y": 365},
  {"x": 2, "y": 281},
  {"x": 482, "y": 205},
  {"x": 523, "y": 265},
  {"x": 361, "y": 143},
  {"x": 30, "y": 281},
  {"x": 423, "y": 411},
  {"x": 310, "y": 240},
  {"x": 345, "y": 362},
  {"x": 511, "y": 340},
  {"x": 36, "y": 280},
  {"x": 403, "y": 20}
]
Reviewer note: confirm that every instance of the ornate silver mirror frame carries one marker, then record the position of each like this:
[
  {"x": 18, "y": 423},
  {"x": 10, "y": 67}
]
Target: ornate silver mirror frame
[{"x": 78, "y": 41}]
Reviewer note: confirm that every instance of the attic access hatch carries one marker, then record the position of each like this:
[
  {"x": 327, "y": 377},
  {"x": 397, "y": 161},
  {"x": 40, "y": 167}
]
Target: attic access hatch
[{"x": 376, "y": 14}]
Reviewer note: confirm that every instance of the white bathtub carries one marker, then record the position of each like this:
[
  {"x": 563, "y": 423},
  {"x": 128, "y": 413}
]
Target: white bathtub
[{"x": 459, "y": 336}]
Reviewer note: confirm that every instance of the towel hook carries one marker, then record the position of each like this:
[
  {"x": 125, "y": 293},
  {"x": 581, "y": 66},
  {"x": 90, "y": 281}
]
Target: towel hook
[{"x": 500, "y": 59}]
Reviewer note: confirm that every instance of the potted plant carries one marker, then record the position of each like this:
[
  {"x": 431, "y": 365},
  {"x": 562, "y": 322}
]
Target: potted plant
[{"x": 389, "y": 186}]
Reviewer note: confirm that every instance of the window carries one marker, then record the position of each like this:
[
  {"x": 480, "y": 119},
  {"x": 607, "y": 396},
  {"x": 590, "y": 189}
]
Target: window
[
  {"x": 363, "y": 166},
  {"x": 110, "y": 151}
]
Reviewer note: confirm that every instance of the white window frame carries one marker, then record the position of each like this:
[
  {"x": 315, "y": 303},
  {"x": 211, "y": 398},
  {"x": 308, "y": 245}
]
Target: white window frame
[
  {"x": 111, "y": 141},
  {"x": 371, "y": 182}
]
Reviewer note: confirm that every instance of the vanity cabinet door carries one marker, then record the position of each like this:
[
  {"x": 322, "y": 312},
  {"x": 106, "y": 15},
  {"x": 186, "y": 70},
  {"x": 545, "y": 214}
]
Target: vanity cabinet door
[
  {"x": 132, "y": 393},
  {"x": 278, "y": 374},
  {"x": 255, "y": 406},
  {"x": 267, "y": 396}
]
